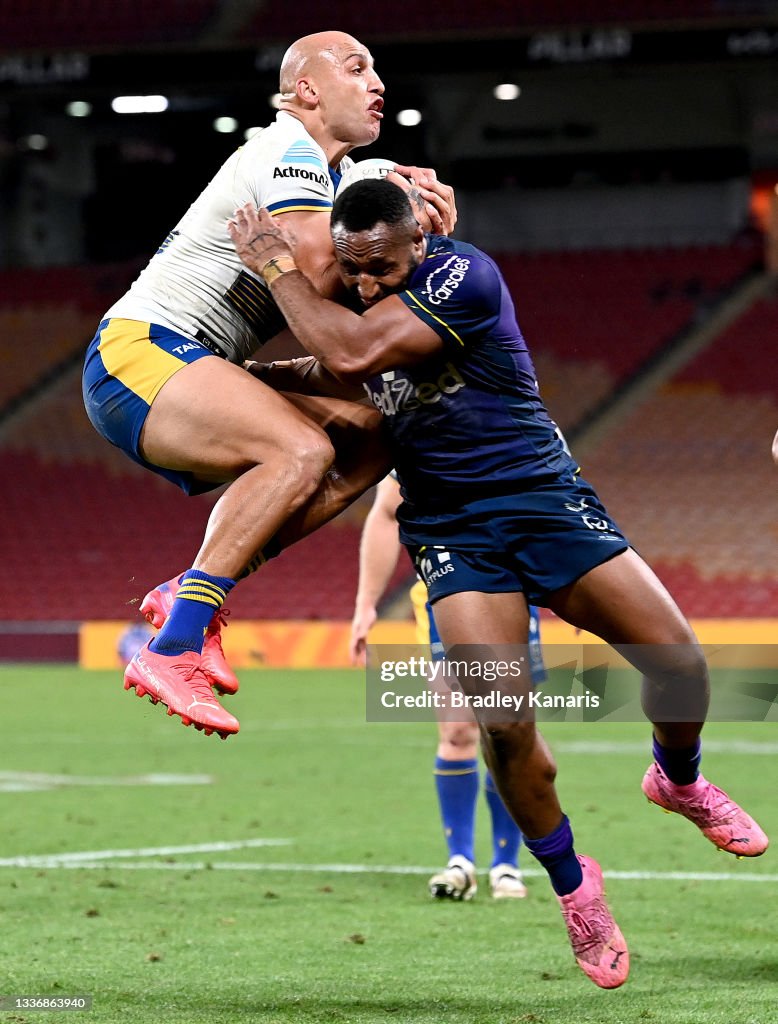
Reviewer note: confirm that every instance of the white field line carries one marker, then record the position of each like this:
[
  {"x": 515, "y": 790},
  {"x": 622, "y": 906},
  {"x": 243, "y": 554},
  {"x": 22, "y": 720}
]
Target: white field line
[
  {"x": 97, "y": 857},
  {"x": 351, "y": 869},
  {"x": 745, "y": 747},
  {"x": 34, "y": 782}
]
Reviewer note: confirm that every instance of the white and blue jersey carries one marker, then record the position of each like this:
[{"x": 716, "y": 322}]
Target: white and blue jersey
[
  {"x": 195, "y": 284},
  {"x": 195, "y": 299},
  {"x": 492, "y": 497}
]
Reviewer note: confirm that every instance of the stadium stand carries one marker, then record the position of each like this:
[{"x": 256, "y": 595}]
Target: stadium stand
[
  {"x": 592, "y": 319},
  {"x": 46, "y": 315},
  {"x": 660, "y": 473},
  {"x": 83, "y": 542},
  {"x": 89, "y": 24},
  {"x": 496, "y": 16}
]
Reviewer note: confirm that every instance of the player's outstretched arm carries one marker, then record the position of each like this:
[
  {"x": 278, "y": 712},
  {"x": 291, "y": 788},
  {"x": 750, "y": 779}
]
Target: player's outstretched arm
[
  {"x": 304, "y": 375},
  {"x": 352, "y": 347},
  {"x": 379, "y": 550}
]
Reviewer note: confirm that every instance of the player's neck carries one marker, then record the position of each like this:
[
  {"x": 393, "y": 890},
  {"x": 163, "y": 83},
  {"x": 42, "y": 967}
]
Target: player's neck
[{"x": 334, "y": 149}]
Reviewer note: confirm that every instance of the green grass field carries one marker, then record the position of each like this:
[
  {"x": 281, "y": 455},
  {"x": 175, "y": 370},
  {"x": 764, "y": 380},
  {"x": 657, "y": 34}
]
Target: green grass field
[{"x": 333, "y": 924}]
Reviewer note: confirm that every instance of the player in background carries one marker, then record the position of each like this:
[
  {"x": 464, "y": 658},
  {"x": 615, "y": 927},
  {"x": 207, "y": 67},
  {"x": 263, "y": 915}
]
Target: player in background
[
  {"x": 489, "y": 486},
  {"x": 456, "y": 760},
  {"x": 131, "y": 640},
  {"x": 163, "y": 378}
]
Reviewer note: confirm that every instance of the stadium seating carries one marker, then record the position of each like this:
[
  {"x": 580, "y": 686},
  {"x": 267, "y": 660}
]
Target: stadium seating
[
  {"x": 661, "y": 473},
  {"x": 87, "y": 24},
  {"x": 47, "y": 316},
  {"x": 496, "y": 16},
  {"x": 592, "y": 319},
  {"x": 94, "y": 24},
  {"x": 87, "y": 533},
  {"x": 82, "y": 542}
]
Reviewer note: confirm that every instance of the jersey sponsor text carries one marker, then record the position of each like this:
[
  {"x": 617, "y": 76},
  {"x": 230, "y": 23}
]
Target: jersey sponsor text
[{"x": 399, "y": 394}]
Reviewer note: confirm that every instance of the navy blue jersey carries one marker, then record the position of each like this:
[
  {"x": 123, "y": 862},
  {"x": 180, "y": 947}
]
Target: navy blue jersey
[{"x": 470, "y": 422}]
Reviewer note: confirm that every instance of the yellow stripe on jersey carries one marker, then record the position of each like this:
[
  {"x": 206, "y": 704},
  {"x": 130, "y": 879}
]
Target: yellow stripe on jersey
[
  {"x": 300, "y": 207},
  {"x": 131, "y": 357},
  {"x": 436, "y": 318}
]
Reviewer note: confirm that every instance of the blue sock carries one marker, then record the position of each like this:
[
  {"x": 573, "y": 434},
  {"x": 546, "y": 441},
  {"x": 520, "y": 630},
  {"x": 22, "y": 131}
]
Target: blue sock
[
  {"x": 199, "y": 596},
  {"x": 506, "y": 835},
  {"x": 680, "y": 766},
  {"x": 537, "y": 665},
  {"x": 457, "y": 786},
  {"x": 555, "y": 852}
]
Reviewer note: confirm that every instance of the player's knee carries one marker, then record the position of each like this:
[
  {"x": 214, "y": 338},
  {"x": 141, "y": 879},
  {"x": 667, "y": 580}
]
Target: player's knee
[
  {"x": 309, "y": 459},
  {"x": 694, "y": 666},
  {"x": 510, "y": 740},
  {"x": 676, "y": 686},
  {"x": 459, "y": 740},
  {"x": 681, "y": 664}
]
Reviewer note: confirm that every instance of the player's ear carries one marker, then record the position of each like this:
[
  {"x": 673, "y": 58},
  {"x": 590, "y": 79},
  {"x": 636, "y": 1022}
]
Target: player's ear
[
  {"x": 417, "y": 241},
  {"x": 306, "y": 91}
]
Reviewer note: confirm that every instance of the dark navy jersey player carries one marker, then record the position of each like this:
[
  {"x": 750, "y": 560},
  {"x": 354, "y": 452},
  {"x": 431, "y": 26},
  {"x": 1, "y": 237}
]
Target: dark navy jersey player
[
  {"x": 481, "y": 389},
  {"x": 482, "y": 464},
  {"x": 496, "y": 515}
]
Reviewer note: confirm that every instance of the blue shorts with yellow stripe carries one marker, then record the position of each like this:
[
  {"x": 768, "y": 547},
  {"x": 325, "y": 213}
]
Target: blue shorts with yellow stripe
[{"x": 126, "y": 364}]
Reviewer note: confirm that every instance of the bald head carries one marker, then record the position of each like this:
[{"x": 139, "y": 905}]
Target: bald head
[
  {"x": 328, "y": 82},
  {"x": 307, "y": 55}
]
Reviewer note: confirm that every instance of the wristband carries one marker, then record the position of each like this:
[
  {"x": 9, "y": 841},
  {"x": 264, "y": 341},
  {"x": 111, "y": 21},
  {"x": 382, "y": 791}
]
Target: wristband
[{"x": 276, "y": 267}]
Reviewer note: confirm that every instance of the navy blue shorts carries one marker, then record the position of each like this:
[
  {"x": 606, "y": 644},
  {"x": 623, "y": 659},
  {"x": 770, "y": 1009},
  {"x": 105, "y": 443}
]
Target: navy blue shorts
[{"x": 533, "y": 542}]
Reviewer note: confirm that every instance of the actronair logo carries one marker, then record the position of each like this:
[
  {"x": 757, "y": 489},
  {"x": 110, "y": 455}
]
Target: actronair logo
[
  {"x": 300, "y": 172},
  {"x": 302, "y": 152},
  {"x": 399, "y": 394},
  {"x": 436, "y": 290}
]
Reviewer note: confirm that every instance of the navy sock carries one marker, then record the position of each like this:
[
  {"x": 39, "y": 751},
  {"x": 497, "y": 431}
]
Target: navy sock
[
  {"x": 457, "y": 786},
  {"x": 199, "y": 596},
  {"x": 506, "y": 835},
  {"x": 555, "y": 852},
  {"x": 271, "y": 550},
  {"x": 680, "y": 766}
]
